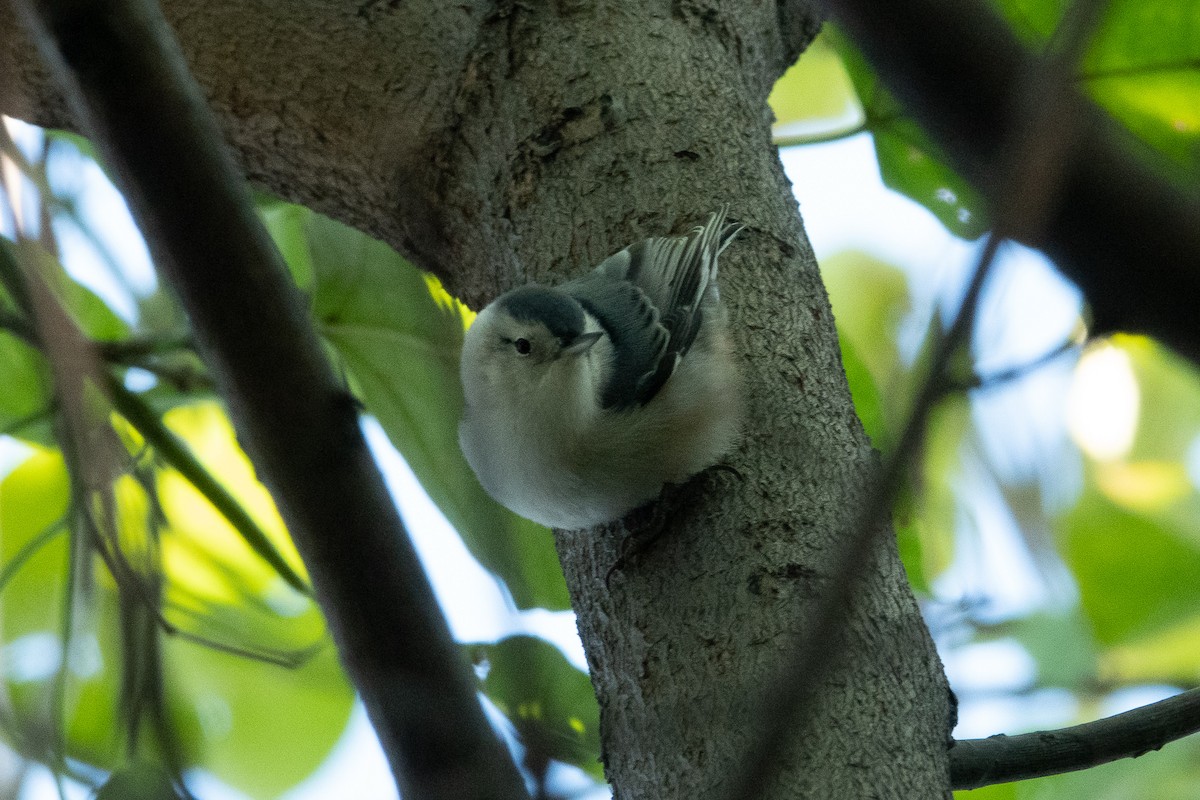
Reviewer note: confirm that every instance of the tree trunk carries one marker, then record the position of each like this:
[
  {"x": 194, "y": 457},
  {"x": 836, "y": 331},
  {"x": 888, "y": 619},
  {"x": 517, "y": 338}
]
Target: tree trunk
[{"x": 497, "y": 144}]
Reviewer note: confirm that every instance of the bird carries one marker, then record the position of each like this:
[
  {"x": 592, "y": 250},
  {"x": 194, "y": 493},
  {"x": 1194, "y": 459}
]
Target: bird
[{"x": 583, "y": 400}]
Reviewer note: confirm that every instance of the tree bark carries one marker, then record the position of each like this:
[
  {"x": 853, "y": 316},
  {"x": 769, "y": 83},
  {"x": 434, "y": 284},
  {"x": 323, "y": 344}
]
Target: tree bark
[{"x": 497, "y": 144}]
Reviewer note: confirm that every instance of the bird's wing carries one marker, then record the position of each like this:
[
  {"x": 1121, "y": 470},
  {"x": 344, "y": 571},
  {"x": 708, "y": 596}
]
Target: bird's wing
[
  {"x": 649, "y": 298},
  {"x": 638, "y": 336}
]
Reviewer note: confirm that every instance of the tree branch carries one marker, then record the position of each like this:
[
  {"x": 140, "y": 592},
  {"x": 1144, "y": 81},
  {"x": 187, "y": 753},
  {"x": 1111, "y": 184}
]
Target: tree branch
[
  {"x": 1120, "y": 228},
  {"x": 123, "y": 72},
  {"x": 999, "y": 759}
]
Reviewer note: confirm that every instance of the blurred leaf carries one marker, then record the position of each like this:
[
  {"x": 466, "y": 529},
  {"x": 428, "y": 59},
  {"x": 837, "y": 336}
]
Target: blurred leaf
[
  {"x": 92, "y": 314},
  {"x": 937, "y": 490},
  {"x": 138, "y": 782},
  {"x": 912, "y": 165},
  {"x": 1144, "y": 68},
  {"x": 258, "y": 726},
  {"x": 908, "y": 161},
  {"x": 1172, "y": 773},
  {"x": 287, "y": 223},
  {"x": 400, "y": 340},
  {"x": 1168, "y": 656},
  {"x": 1170, "y": 390},
  {"x": 262, "y": 728},
  {"x": 209, "y": 435},
  {"x": 25, "y": 391},
  {"x": 1136, "y": 576},
  {"x": 1060, "y": 643},
  {"x": 999, "y": 791},
  {"x": 870, "y": 300},
  {"x": 549, "y": 702},
  {"x": 1033, "y": 20},
  {"x": 815, "y": 94},
  {"x": 1144, "y": 486},
  {"x": 33, "y": 499},
  {"x": 81, "y": 144},
  {"x": 867, "y": 402}
]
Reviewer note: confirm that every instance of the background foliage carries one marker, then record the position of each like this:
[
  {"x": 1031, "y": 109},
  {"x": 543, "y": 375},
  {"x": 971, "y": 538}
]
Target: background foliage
[{"x": 143, "y": 626}]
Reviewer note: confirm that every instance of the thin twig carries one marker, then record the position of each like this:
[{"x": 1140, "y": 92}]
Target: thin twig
[
  {"x": 127, "y": 579},
  {"x": 1000, "y": 759},
  {"x": 171, "y": 449},
  {"x": 29, "y": 550},
  {"x": 999, "y": 378}
]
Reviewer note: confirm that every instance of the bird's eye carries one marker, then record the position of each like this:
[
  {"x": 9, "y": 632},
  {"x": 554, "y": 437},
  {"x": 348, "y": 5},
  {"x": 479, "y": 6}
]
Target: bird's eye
[{"x": 523, "y": 346}]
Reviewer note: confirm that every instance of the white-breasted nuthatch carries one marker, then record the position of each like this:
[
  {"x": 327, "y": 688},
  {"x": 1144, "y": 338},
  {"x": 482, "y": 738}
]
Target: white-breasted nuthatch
[{"x": 584, "y": 400}]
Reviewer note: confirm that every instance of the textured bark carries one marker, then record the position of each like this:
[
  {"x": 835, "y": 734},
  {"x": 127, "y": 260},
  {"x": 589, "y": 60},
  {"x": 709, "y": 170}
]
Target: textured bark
[{"x": 500, "y": 144}]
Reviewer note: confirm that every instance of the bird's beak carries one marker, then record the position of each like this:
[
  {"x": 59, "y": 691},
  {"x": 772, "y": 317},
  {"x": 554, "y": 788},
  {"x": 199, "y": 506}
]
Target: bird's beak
[{"x": 583, "y": 342}]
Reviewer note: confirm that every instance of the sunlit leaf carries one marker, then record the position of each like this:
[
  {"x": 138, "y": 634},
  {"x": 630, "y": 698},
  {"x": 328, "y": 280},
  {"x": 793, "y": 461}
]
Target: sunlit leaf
[
  {"x": 815, "y": 95},
  {"x": 258, "y": 726},
  {"x": 1144, "y": 67},
  {"x": 999, "y": 791},
  {"x": 1135, "y": 574},
  {"x": 549, "y": 702},
  {"x": 1169, "y": 386},
  {"x": 1168, "y": 656},
  {"x": 200, "y": 529},
  {"x": 401, "y": 343},
  {"x": 25, "y": 390},
  {"x": 1144, "y": 486},
  {"x": 287, "y": 223},
  {"x": 33, "y": 499}
]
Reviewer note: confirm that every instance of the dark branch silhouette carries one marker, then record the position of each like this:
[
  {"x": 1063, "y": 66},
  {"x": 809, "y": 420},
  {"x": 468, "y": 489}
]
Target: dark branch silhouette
[
  {"x": 999, "y": 759},
  {"x": 1120, "y": 228},
  {"x": 120, "y": 67}
]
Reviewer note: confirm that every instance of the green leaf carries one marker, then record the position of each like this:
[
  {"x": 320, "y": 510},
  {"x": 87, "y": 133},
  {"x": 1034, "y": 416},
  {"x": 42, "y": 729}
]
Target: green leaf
[
  {"x": 912, "y": 165},
  {"x": 400, "y": 337},
  {"x": 867, "y": 401},
  {"x": 287, "y": 223},
  {"x": 1168, "y": 656},
  {"x": 815, "y": 93},
  {"x": 999, "y": 791},
  {"x": 1033, "y": 20},
  {"x": 1135, "y": 574},
  {"x": 870, "y": 300},
  {"x": 33, "y": 500},
  {"x": 139, "y": 781},
  {"x": 259, "y": 727},
  {"x": 25, "y": 391},
  {"x": 1144, "y": 68},
  {"x": 549, "y": 702},
  {"x": 908, "y": 161},
  {"x": 1169, "y": 387},
  {"x": 1172, "y": 773},
  {"x": 936, "y": 496},
  {"x": 1061, "y": 644},
  {"x": 92, "y": 314}
]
